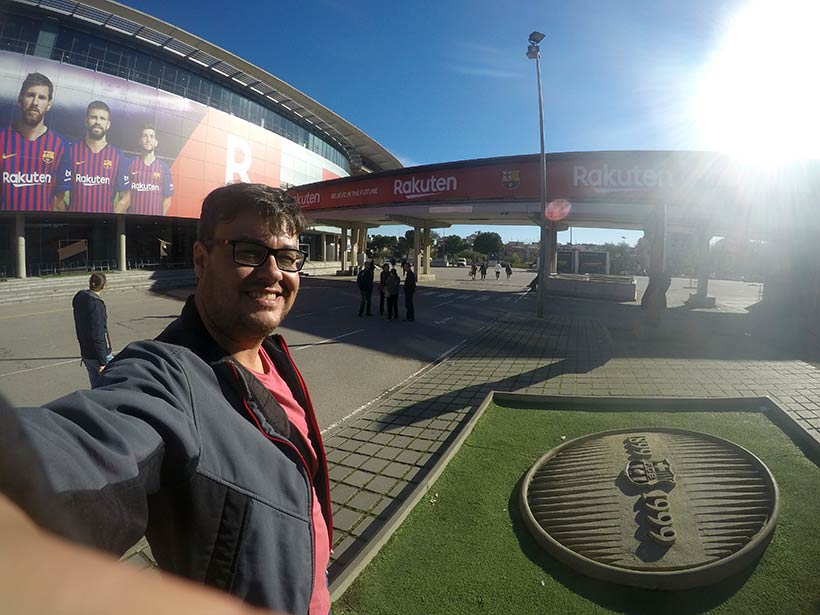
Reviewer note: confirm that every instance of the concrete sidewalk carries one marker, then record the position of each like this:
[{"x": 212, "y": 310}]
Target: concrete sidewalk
[{"x": 383, "y": 460}]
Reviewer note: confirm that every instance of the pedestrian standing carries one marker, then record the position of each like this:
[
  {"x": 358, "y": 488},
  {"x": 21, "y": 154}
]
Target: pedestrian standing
[
  {"x": 509, "y": 270},
  {"x": 91, "y": 325},
  {"x": 409, "y": 291},
  {"x": 483, "y": 270},
  {"x": 392, "y": 286},
  {"x": 497, "y": 270},
  {"x": 365, "y": 282},
  {"x": 385, "y": 273},
  {"x": 473, "y": 269}
]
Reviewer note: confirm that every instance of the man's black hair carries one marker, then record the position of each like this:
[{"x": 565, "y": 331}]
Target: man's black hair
[
  {"x": 273, "y": 205},
  {"x": 33, "y": 79}
]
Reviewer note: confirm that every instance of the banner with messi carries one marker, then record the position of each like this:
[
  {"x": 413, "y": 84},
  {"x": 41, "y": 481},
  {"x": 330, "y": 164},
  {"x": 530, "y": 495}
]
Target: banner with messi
[{"x": 75, "y": 140}]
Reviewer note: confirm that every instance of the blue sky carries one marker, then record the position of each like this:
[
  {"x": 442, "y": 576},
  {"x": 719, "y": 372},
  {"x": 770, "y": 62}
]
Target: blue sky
[{"x": 449, "y": 80}]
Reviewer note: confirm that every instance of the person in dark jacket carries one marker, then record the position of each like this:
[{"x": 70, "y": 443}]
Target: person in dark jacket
[
  {"x": 204, "y": 440},
  {"x": 365, "y": 282},
  {"x": 409, "y": 291},
  {"x": 91, "y": 324},
  {"x": 392, "y": 286},
  {"x": 383, "y": 286}
]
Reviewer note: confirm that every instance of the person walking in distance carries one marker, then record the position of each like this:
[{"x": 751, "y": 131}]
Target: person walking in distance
[
  {"x": 91, "y": 325},
  {"x": 483, "y": 270},
  {"x": 508, "y": 269},
  {"x": 204, "y": 440},
  {"x": 365, "y": 282},
  {"x": 497, "y": 270},
  {"x": 409, "y": 291},
  {"x": 473, "y": 269},
  {"x": 392, "y": 286},
  {"x": 385, "y": 273}
]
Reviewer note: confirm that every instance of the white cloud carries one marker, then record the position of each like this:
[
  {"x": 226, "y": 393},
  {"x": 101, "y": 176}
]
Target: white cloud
[{"x": 482, "y": 71}]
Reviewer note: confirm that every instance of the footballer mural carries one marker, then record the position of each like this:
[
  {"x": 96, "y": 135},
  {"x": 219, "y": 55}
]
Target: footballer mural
[{"x": 78, "y": 141}]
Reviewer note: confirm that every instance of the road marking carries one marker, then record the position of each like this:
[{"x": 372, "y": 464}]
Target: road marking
[
  {"x": 34, "y": 369},
  {"x": 34, "y": 314},
  {"x": 442, "y": 321},
  {"x": 484, "y": 298},
  {"x": 520, "y": 297},
  {"x": 443, "y": 295},
  {"x": 332, "y": 339},
  {"x": 341, "y": 307},
  {"x": 431, "y": 365},
  {"x": 305, "y": 314},
  {"x": 445, "y": 303}
]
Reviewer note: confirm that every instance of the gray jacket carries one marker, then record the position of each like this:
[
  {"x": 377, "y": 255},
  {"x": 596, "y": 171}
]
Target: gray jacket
[{"x": 182, "y": 444}]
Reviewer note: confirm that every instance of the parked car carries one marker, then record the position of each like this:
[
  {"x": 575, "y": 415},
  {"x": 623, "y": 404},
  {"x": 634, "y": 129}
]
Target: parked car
[{"x": 461, "y": 262}]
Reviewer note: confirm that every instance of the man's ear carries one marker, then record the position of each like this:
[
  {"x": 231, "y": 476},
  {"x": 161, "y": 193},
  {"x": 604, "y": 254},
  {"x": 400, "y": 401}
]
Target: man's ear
[{"x": 200, "y": 258}]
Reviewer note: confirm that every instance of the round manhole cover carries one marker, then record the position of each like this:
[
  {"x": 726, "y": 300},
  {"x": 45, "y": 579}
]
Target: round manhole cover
[{"x": 657, "y": 508}]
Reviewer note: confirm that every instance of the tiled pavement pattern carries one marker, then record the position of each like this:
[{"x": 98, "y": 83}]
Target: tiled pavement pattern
[{"x": 380, "y": 456}]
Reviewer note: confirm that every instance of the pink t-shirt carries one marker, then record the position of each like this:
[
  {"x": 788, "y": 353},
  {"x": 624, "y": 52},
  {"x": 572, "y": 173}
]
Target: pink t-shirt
[{"x": 320, "y": 600}]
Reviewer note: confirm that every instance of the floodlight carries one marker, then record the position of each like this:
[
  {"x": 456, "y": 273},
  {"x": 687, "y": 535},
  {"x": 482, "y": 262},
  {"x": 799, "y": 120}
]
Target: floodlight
[{"x": 536, "y": 37}]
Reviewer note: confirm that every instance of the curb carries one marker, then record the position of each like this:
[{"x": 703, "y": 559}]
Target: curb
[{"x": 352, "y": 570}]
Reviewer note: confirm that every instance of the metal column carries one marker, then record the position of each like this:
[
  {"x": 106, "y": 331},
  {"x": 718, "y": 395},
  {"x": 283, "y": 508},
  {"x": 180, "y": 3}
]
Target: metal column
[
  {"x": 20, "y": 240},
  {"x": 121, "y": 262}
]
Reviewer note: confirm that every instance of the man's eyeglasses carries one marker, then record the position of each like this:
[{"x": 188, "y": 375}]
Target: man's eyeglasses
[{"x": 252, "y": 254}]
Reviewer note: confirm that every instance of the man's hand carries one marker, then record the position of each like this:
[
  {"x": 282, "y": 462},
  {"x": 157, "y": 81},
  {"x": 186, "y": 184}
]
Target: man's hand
[{"x": 40, "y": 573}]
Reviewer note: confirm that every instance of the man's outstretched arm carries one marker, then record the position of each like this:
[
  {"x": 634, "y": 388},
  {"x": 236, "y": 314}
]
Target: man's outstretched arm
[{"x": 40, "y": 573}]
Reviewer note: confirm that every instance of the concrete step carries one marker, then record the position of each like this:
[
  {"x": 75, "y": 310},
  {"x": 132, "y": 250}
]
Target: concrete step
[
  {"x": 38, "y": 289},
  {"x": 33, "y": 289}
]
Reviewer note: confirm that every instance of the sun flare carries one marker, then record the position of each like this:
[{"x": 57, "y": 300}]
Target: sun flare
[{"x": 759, "y": 96}]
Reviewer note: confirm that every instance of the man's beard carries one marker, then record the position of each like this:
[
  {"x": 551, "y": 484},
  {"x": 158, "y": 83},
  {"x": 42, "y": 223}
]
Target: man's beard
[
  {"x": 33, "y": 117},
  {"x": 96, "y": 136}
]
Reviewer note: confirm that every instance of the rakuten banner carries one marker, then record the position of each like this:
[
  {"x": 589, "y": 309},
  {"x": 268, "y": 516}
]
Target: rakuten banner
[
  {"x": 79, "y": 141},
  {"x": 597, "y": 176}
]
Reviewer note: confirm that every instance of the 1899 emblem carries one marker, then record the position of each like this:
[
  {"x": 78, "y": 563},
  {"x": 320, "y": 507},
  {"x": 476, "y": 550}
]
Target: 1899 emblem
[{"x": 658, "y": 508}]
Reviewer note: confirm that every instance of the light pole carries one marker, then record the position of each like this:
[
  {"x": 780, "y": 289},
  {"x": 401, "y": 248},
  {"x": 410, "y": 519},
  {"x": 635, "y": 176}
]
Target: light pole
[{"x": 534, "y": 53}]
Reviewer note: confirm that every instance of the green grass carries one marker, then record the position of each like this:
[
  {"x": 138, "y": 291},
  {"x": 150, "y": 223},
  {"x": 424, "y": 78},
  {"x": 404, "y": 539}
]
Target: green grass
[{"x": 464, "y": 548}]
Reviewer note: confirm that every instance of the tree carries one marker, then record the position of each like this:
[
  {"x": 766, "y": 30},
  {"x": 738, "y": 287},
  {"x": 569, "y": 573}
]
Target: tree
[
  {"x": 453, "y": 245},
  {"x": 622, "y": 258},
  {"x": 382, "y": 245},
  {"x": 488, "y": 243}
]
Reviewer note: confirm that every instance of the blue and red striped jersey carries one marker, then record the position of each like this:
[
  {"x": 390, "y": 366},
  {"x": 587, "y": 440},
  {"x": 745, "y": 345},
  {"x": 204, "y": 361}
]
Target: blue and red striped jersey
[
  {"x": 150, "y": 185},
  {"x": 97, "y": 177},
  {"x": 32, "y": 171}
]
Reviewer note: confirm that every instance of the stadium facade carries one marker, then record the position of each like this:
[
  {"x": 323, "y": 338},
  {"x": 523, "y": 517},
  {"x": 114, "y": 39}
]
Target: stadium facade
[{"x": 114, "y": 125}]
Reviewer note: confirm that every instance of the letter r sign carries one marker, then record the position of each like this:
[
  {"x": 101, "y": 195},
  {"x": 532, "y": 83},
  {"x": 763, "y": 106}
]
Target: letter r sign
[{"x": 237, "y": 167}]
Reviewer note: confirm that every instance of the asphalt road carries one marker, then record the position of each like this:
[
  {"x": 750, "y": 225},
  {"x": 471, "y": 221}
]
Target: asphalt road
[{"x": 347, "y": 361}]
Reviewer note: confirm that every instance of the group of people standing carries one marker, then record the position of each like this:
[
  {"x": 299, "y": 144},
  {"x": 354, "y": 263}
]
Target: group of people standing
[
  {"x": 389, "y": 286},
  {"x": 483, "y": 270}
]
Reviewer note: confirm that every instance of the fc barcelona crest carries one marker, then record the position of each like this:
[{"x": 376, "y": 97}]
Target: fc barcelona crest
[
  {"x": 157, "y": 175},
  {"x": 107, "y": 164},
  {"x": 511, "y": 179},
  {"x": 48, "y": 156}
]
